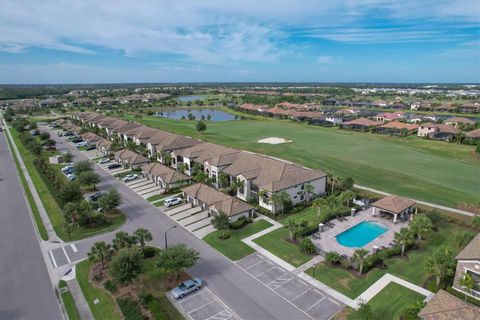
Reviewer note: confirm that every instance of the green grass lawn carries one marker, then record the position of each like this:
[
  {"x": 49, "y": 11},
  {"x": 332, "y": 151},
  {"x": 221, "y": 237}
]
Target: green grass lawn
[
  {"x": 33, "y": 206},
  {"x": 275, "y": 243},
  {"x": 233, "y": 248},
  {"x": 106, "y": 308},
  {"x": 433, "y": 171},
  {"x": 69, "y": 303},
  {"x": 155, "y": 197},
  {"x": 47, "y": 194},
  {"x": 410, "y": 268},
  {"x": 393, "y": 302}
]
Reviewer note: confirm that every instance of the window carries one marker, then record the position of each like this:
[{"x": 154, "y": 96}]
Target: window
[{"x": 303, "y": 186}]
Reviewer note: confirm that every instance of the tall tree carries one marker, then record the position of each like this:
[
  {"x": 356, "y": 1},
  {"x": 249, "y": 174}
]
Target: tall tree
[
  {"x": 109, "y": 201},
  {"x": 440, "y": 264},
  {"x": 309, "y": 190},
  {"x": 402, "y": 238},
  {"x": 100, "y": 252},
  {"x": 347, "y": 197},
  {"x": 143, "y": 235},
  {"x": 88, "y": 178},
  {"x": 126, "y": 265},
  {"x": 317, "y": 205},
  {"x": 123, "y": 240},
  {"x": 71, "y": 192},
  {"x": 82, "y": 166},
  {"x": 177, "y": 259},
  {"x": 292, "y": 227},
  {"x": 201, "y": 126},
  {"x": 421, "y": 225},
  {"x": 359, "y": 257}
]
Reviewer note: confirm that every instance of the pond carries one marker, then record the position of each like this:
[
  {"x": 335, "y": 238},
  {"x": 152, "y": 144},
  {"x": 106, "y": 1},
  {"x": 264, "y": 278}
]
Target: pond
[
  {"x": 215, "y": 115},
  {"x": 190, "y": 98}
]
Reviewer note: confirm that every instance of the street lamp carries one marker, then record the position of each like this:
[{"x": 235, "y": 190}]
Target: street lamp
[{"x": 166, "y": 243}]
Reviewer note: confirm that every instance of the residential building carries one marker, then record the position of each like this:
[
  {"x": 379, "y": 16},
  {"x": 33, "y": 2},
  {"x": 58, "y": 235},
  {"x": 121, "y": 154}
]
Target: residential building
[
  {"x": 397, "y": 128},
  {"x": 445, "y": 306},
  {"x": 129, "y": 158},
  {"x": 165, "y": 177},
  {"x": 82, "y": 102},
  {"x": 468, "y": 262},
  {"x": 473, "y": 135},
  {"x": 455, "y": 121},
  {"x": 361, "y": 124},
  {"x": 216, "y": 202},
  {"x": 394, "y": 205},
  {"x": 437, "y": 131},
  {"x": 390, "y": 116}
]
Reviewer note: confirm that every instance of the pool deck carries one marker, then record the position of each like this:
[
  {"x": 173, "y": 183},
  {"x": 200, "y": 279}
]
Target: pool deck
[{"x": 328, "y": 242}]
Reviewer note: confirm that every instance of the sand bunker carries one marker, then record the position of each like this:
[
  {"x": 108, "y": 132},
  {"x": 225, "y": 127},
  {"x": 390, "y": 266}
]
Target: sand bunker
[{"x": 273, "y": 140}]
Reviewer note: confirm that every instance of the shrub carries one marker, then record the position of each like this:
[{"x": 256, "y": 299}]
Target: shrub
[
  {"x": 224, "y": 236},
  {"x": 111, "y": 286},
  {"x": 144, "y": 298},
  {"x": 149, "y": 252},
  {"x": 345, "y": 263},
  {"x": 130, "y": 309},
  {"x": 332, "y": 258},
  {"x": 240, "y": 223},
  {"x": 97, "y": 277},
  {"x": 307, "y": 246}
]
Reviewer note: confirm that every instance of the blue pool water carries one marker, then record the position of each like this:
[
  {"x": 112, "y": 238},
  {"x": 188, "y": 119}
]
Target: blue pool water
[{"x": 360, "y": 234}]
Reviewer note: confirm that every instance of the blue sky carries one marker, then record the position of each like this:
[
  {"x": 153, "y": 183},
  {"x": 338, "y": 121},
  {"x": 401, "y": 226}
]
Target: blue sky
[{"x": 261, "y": 40}]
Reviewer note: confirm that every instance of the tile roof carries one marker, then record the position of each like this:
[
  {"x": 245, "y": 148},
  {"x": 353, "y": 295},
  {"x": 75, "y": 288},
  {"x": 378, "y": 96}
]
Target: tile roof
[
  {"x": 363, "y": 122},
  {"x": 471, "y": 250},
  {"x": 473, "y": 134},
  {"x": 167, "y": 174},
  {"x": 166, "y": 141},
  {"x": 399, "y": 125},
  {"x": 214, "y": 154},
  {"x": 440, "y": 127},
  {"x": 394, "y": 203},
  {"x": 459, "y": 120},
  {"x": 131, "y": 156},
  {"x": 444, "y": 306}
]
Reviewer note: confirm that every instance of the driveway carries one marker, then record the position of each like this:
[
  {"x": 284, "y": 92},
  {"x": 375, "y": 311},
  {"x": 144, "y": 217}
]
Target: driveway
[{"x": 242, "y": 293}]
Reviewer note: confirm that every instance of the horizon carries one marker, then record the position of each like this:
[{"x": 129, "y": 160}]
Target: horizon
[{"x": 380, "y": 42}]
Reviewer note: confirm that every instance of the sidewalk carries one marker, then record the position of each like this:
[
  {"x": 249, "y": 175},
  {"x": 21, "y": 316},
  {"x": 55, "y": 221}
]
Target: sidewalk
[{"x": 80, "y": 301}]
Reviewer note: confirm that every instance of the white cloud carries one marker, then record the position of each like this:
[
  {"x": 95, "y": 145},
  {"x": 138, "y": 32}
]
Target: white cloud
[{"x": 324, "y": 59}]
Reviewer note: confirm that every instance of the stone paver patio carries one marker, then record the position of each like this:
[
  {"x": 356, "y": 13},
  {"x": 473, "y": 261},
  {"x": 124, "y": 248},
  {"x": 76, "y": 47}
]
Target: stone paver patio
[{"x": 328, "y": 242}]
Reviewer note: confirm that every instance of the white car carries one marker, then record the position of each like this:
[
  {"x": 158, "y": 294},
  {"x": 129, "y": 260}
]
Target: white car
[
  {"x": 104, "y": 160},
  {"x": 130, "y": 177},
  {"x": 81, "y": 144},
  {"x": 71, "y": 176},
  {"x": 170, "y": 202},
  {"x": 67, "y": 168}
]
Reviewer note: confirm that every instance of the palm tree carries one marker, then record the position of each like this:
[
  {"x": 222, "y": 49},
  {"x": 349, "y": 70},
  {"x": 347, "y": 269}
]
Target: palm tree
[
  {"x": 440, "y": 264},
  {"x": 143, "y": 235},
  {"x": 359, "y": 257},
  {"x": 292, "y": 228},
  {"x": 468, "y": 283},
  {"x": 279, "y": 199},
  {"x": 347, "y": 196},
  {"x": 421, "y": 225},
  {"x": 309, "y": 190},
  {"x": 100, "y": 252},
  {"x": 402, "y": 238},
  {"x": 333, "y": 182},
  {"x": 222, "y": 179},
  {"x": 318, "y": 204}
]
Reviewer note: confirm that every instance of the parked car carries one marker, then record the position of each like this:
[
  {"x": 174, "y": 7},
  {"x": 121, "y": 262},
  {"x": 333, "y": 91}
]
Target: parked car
[
  {"x": 91, "y": 148},
  {"x": 49, "y": 148},
  {"x": 95, "y": 197},
  {"x": 130, "y": 177},
  {"x": 114, "y": 166},
  {"x": 66, "y": 168},
  {"x": 104, "y": 160},
  {"x": 71, "y": 176},
  {"x": 170, "y": 202},
  {"x": 186, "y": 287},
  {"x": 81, "y": 144},
  {"x": 77, "y": 140},
  {"x": 68, "y": 134},
  {"x": 69, "y": 171},
  {"x": 34, "y": 132}
]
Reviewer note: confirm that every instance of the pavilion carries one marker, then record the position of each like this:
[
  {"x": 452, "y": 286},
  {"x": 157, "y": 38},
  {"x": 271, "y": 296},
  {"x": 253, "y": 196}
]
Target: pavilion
[{"x": 394, "y": 205}]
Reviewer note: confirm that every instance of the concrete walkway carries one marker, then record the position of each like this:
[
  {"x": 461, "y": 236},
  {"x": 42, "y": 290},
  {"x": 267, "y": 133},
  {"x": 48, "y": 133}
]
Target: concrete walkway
[
  {"x": 381, "y": 283},
  {"x": 307, "y": 265},
  {"x": 80, "y": 301},
  {"x": 428, "y": 204},
  {"x": 52, "y": 236}
]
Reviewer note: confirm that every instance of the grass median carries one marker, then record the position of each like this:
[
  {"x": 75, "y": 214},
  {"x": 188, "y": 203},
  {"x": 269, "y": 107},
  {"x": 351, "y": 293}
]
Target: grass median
[
  {"x": 233, "y": 247},
  {"x": 69, "y": 303}
]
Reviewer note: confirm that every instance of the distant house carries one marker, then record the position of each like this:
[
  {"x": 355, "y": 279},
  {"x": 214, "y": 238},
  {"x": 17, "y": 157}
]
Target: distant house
[
  {"x": 447, "y": 107},
  {"x": 106, "y": 101},
  {"x": 130, "y": 158},
  {"x": 379, "y": 103},
  {"x": 330, "y": 102},
  {"x": 361, "y": 124},
  {"x": 445, "y": 306},
  {"x": 82, "y": 102},
  {"x": 437, "y": 131},
  {"x": 52, "y": 103},
  {"x": 472, "y": 107},
  {"x": 104, "y": 146},
  {"x": 473, "y": 135},
  {"x": 397, "y": 128},
  {"x": 215, "y": 202},
  {"x": 468, "y": 262},
  {"x": 455, "y": 121},
  {"x": 335, "y": 120},
  {"x": 163, "y": 176},
  {"x": 390, "y": 116}
]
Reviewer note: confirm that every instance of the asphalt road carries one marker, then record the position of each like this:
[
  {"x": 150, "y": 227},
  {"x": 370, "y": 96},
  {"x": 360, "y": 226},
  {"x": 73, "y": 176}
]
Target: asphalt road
[
  {"x": 25, "y": 288},
  {"x": 244, "y": 294}
]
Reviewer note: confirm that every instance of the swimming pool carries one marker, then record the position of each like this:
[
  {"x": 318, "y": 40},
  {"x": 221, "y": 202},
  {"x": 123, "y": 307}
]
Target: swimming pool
[{"x": 361, "y": 234}]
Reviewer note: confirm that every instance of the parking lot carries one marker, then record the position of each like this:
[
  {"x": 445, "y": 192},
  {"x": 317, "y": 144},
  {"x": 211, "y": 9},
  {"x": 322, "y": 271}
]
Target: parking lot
[
  {"x": 204, "y": 305},
  {"x": 310, "y": 300}
]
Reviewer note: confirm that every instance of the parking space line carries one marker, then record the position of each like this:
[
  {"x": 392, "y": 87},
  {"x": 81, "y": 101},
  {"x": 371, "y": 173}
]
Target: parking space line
[
  {"x": 253, "y": 265},
  {"x": 74, "y": 248},
  {"x": 265, "y": 272},
  {"x": 227, "y": 308},
  {"x": 203, "y": 305},
  {"x": 53, "y": 259},
  {"x": 66, "y": 255},
  {"x": 313, "y": 305},
  {"x": 334, "y": 301},
  {"x": 190, "y": 297},
  {"x": 226, "y": 316},
  {"x": 300, "y": 294}
]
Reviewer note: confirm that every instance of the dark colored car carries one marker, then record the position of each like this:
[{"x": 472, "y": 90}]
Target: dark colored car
[
  {"x": 90, "y": 148},
  {"x": 94, "y": 197},
  {"x": 114, "y": 166},
  {"x": 77, "y": 140}
]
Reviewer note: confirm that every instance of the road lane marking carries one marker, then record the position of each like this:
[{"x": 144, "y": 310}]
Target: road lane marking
[
  {"x": 74, "y": 247},
  {"x": 66, "y": 255},
  {"x": 53, "y": 259}
]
